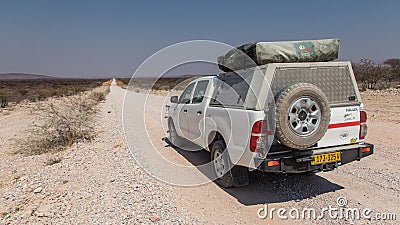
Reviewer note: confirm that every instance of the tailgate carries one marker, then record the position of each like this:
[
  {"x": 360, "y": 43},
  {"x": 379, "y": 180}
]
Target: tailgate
[{"x": 344, "y": 127}]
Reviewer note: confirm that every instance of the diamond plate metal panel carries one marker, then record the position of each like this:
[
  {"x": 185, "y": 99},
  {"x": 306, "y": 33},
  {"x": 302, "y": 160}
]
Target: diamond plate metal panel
[{"x": 335, "y": 82}]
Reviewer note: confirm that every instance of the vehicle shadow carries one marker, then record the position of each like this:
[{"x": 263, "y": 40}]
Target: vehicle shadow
[{"x": 268, "y": 187}]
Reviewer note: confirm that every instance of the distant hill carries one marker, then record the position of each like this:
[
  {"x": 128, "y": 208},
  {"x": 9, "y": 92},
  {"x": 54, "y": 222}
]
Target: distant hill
[{"x": 22, "y": 76}]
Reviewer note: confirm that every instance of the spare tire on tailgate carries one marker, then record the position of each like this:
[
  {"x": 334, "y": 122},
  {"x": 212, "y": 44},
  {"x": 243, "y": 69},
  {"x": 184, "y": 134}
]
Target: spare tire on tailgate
[{"x": 302, "y": 115}]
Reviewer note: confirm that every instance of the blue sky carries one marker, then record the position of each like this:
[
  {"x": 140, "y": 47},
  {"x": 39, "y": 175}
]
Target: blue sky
[{"x": 111, "y": 38}]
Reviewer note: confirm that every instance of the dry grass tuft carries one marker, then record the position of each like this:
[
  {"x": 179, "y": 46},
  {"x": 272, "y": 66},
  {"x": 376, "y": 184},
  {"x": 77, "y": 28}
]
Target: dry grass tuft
[
  {"x": 52, "y": 161},
  {"x": 62, "y": 123},
  {"x": 3, "y": 214},
  {"x": 117, "y": 146},
  {"x": 121, "y": 84},
  {"x": 106, "y": 83}
]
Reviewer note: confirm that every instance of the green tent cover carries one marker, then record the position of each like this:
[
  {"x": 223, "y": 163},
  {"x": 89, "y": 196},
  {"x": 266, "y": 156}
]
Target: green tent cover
[{"x": 261, "y": 53}]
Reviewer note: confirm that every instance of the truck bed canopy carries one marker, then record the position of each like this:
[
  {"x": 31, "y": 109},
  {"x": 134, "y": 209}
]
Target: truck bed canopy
[
  {"x": 255, "y": 87},
  {"x": 261, "y": 53}
]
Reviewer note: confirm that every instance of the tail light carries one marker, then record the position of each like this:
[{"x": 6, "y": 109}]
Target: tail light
[
  {"x": 366, "y": 149},
  {"x": 363, "y": 124},
  {"x": 273, "y": 163},
  {"x": 258, "y": 139}
]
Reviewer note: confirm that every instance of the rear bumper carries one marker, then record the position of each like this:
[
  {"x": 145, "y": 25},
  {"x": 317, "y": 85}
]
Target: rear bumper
[{"x": 300, "y": 161}]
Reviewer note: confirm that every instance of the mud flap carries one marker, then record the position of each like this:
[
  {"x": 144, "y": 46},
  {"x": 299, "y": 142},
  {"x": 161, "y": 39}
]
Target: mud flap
[{"x": 240, "y": 176}]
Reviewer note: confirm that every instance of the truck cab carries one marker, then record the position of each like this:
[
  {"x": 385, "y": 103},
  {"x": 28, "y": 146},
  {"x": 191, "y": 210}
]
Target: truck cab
[{"x": 191, "y": 107}]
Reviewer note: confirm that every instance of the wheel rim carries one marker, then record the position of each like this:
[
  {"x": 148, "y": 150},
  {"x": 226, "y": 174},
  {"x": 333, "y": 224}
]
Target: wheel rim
[
  {"x": 219, "y": 164},
  {"x": 304, "y": 116}
]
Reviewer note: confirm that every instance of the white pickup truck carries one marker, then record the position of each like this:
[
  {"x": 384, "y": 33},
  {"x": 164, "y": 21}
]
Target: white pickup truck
[{"x": 280, "y": 117}]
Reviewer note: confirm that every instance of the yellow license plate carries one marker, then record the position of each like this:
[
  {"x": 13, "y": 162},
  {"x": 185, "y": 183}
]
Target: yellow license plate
[{"x": 326, "y": 158}]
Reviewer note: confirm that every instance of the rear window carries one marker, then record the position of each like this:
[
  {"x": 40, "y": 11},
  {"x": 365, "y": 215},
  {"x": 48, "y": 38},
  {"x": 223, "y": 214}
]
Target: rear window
[{"x": 232, "y": 90}]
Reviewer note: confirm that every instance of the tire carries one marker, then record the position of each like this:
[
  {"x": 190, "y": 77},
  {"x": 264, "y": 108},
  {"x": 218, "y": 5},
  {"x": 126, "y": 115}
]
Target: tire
[
  {"x": 225, "y": 178},
  {"x": 302, "y": 115},
  {"x": 173, "y": 137}
]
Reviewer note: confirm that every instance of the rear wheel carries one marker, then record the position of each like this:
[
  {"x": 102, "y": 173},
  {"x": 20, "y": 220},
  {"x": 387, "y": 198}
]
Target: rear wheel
[{"x": 221, "y": 164}]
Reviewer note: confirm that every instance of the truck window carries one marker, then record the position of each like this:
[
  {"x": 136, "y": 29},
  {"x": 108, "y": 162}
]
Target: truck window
[
  {"x": 232, "y": 91},
  {"x": 187, "y": 93},
  {"x": 199, "y": 92}
]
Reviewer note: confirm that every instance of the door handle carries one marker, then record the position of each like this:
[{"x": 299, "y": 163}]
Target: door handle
[
  {"x": 199, "y": 112},
  {"x": 185, "y": 110}
]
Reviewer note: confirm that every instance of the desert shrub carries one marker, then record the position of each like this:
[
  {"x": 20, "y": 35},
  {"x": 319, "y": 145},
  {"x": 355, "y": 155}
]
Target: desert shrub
[
  {"x": 41, "y": 89},
  {"x": 3, "y": 101},
  {"x": 99, "y": 96},
  {"x": 122, "y": 84},
  {"x": 381, "y": 85},
  {"x": 377, "y": 76},
  {"x": 165, "y": 84},
  {"x": 106, "y": 83},
  {"x": 62, "y": 123}
]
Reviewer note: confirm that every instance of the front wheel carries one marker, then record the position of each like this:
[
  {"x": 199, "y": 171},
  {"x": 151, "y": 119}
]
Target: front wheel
[{"x": 173, "y": 137}]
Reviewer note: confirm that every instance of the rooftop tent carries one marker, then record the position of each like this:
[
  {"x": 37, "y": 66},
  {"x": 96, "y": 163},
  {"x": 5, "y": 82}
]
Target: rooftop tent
[{"x": 261, "y": 53}]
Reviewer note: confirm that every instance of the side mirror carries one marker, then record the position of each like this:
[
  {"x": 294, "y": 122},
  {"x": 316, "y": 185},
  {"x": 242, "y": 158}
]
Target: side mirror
[{"x": 174, "y": 99}]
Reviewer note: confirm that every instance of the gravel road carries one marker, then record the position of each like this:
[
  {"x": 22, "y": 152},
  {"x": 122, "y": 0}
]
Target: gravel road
[{"x": 100, "y": 182}]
